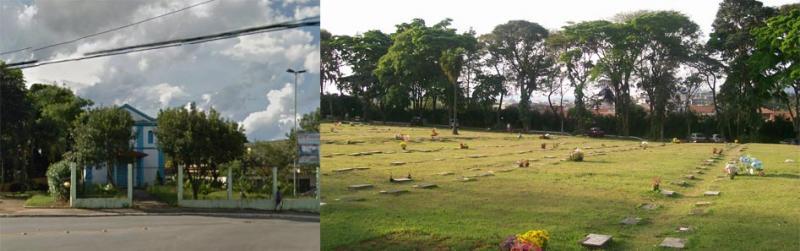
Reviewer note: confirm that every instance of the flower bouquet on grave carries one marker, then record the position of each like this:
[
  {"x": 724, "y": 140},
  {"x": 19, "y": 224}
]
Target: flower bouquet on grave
[
  {"x": 656, "y": 183},
  {"x": 534, "y": 240},
  {"x": 403, "y": 145},
  {"x": 756, "y": 166}
]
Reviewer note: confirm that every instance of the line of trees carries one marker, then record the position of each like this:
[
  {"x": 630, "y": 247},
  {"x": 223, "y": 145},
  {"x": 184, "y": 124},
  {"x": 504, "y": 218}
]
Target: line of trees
[
  {"x": 748, "y": 62},
  {"x": 44, "y": 124}
]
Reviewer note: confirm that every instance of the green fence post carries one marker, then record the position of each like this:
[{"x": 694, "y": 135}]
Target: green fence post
[
  {"x": 72, "y": 186},
  {"x": 130, "y": 185}
]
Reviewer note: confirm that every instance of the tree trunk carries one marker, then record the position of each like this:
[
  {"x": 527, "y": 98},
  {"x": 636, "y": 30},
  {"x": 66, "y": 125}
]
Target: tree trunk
[
  {"x": 499, "y": 108},
  {"x": 455, "y": 111}
]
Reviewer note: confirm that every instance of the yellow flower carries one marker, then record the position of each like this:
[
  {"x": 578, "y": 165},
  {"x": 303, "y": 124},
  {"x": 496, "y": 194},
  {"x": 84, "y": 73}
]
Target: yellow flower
[{"x": 536, "y": 238}]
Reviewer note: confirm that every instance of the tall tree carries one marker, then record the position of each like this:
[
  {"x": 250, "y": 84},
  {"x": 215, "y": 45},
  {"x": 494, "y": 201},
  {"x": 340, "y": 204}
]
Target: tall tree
[
  {"x": 362, "y": 53},
  {"x": 451, "y": 62},
  {"x": 57, "y": 107},
  {"x": 17, "y": 114},
  {"x": 665, "y": 39},
  {"x": 777, "y": 59},
  {"x": 102, "y": 136},
  {"x": 579, "y": 58},
  {"x": 742, "y": 92},
  {"x": 521, "y": 46},
  {"x": 198, "y": 140},
  {"x": 410, "y": 69},
  {"x": 330, "y": 67}
]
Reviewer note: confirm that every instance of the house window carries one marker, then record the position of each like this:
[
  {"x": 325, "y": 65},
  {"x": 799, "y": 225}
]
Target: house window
[{"x": 149, "y": 137}]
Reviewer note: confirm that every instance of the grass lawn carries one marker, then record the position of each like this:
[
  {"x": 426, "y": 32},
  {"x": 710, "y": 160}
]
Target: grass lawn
[
  {"x": 43, "y": 200},
  {"x": 568, "y": 199}
]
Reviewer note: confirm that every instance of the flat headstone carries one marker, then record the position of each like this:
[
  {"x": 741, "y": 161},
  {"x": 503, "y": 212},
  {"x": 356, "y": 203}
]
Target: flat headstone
[
  {"x": 711, "y": 193},
  {"x": 361, "y": 168},
  {"x": 691, "y": 177},
  {"x": 485, "y": 174},
  {"x": 648, "y": 206},
  {"x": 349, "y": 199},
  {"x": 474, "y": 156},
  {"x": 549, "y": 157},
  {"x": 389, "y": 152},
  {"x": 467, "y": 179},
  {"x": 702, "y": 203},
  {"x": 374, "y": 152},
  {"x": 682, "y": 183},
  {"x": 701, "y": 168},
  {"x": 426, "y": 185},
  {"x": 360, "y": 186},
  {"x": 683, "y": 229},
  {"x": 446, "y": 173},
  {"x": 473, "y": 169},
  {"x": 394, "y": 191},
  {"x": 671, "y": 242},
  {"x": 355, "y": 154},
  {"x": 596, "y": 240},
  {"x": 343, "y": 170},
  {"x": 668, "y": 192},
  {"x": 698, "y": 172},
  {"x": 337, "y": 154},
  {"x": 365, "y": 153},
  {"x": 631, "y": 221},
  {"x": 397, "y": 163},
  {"x": 697, "y": 211},
  {"x": 402, "y": 180},
  {"x": 505, "y": 170},
  {"x": 327, "y": 156},
  {"x": 439, "y": 159}
]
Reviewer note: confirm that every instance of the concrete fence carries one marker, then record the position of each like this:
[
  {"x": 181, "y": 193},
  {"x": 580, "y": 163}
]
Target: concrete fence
[
  {"x": 74, "y": 201},
  {"x": 304, "y": 204}
]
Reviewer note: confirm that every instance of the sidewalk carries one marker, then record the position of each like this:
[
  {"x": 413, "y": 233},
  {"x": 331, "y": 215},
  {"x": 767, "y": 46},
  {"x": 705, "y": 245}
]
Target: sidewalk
[{"x": 163, "y": 211}]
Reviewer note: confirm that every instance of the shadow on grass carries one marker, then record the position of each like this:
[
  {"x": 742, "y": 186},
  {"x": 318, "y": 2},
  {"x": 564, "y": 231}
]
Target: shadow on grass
[{"x": 783, "y": 175}]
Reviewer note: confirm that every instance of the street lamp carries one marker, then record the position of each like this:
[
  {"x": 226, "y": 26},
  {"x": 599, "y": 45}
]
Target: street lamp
[{"x": 294, "y": 174}]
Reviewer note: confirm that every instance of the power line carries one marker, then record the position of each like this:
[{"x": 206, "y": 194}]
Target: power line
[
  {"x": 106, "y": 31},
  {"x": 313, "y": 21}
]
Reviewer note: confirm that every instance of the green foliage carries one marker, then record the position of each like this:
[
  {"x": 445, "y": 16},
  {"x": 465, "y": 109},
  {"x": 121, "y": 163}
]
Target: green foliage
[
  {"x": 102, "y": 136},
  {"x": 57, "y": 174},
  {"x": 521, "y": 45},
  {"x": 199, "y": 140},
  {"x": 17, "y": 115}
]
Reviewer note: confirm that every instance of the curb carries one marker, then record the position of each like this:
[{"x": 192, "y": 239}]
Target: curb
[{"x": 311, "y": 218}]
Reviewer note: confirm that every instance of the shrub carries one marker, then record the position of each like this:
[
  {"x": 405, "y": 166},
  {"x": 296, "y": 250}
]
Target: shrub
[{"x": 57, "y": 174}]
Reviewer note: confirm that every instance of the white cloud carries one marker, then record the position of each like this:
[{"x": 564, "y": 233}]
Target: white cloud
[
  {"x": 277, "y": 114},
  {"x": 231, "y": 75},
  {"x": 27, "y": 14}
]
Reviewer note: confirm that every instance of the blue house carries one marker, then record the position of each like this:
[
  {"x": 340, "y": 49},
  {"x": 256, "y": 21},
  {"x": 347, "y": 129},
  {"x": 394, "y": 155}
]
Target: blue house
[{"x": 148, "y": 165}]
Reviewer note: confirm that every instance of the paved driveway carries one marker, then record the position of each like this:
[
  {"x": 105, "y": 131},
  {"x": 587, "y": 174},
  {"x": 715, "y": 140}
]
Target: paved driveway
[{"x": 193, "y": 233}]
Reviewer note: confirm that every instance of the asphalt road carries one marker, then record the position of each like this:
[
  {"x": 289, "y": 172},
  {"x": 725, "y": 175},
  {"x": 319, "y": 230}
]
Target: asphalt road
[{"x": 193, "y": 233}]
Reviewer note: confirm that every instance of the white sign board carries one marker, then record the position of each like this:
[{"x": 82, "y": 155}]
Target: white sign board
[{"x": 309, "y": 148}]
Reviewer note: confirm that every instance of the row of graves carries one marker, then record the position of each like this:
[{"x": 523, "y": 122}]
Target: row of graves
[{"x": 529, "y": 240}]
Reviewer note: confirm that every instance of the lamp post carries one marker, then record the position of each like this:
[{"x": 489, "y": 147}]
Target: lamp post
[{"x": 294, "y": 172}]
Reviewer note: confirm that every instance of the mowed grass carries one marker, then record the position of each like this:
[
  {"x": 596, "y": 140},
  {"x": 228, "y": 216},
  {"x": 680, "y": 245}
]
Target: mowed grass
[{"x": 568, "y": 199}]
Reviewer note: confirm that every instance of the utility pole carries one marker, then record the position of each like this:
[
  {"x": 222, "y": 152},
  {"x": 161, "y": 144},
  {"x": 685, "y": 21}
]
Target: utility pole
[{"x": 294, "y": 169}]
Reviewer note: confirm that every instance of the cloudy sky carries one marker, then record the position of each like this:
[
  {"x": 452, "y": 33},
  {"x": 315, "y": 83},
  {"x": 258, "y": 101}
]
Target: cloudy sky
[
  {"x": 340, "y": 17},
  {"x": 244, "y": 78}
]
